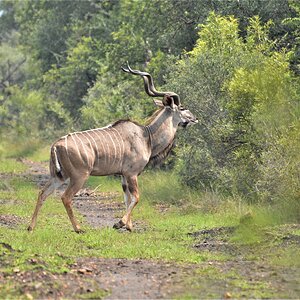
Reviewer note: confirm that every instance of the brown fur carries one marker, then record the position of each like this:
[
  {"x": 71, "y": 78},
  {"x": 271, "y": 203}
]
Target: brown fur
[{"x": 124, "y": 121}]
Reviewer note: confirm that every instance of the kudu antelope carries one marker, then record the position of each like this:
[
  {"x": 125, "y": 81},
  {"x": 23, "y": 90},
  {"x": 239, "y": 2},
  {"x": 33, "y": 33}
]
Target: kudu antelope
[{"x": 123, "y": 148}]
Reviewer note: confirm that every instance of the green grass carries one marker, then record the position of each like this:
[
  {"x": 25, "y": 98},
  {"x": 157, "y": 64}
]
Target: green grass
[
  {"x": 41, "y": 154},
  {"x": 164, "y": 187},
  {"x": 10, "y": 291},
  {"x": 105, "y": 183},
  {"x": 168, "y": 210},
  {"x": 19, "y": 147},
  {"x": 166, "y": 238},
  {"x": 11, "y": 166},
  {"x": 98, "y": 294},
  {"x": 55, "y": 245}
]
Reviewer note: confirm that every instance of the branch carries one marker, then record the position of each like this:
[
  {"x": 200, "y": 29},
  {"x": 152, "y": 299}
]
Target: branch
[{"x": 11, "y": 73}]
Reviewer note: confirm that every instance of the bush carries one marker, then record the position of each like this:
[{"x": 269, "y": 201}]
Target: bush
[
  {"x": 245, "y": 98},
  {"x": 31, "y": 115}
]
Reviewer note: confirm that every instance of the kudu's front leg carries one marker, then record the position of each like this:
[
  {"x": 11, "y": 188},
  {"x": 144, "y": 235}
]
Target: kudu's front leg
[{"x": 131, "y": 197}]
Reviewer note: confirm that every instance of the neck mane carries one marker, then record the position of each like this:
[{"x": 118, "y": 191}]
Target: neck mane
[
  {"x": 153, "y": 116},
  {"x": 158, "y": 159}
]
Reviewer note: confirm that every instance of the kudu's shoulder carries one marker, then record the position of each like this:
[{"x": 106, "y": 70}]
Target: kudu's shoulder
[{"x": 127, "y": 127}]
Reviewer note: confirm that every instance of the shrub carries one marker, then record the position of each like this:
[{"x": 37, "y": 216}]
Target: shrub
[{"x": 245, "y": 97}]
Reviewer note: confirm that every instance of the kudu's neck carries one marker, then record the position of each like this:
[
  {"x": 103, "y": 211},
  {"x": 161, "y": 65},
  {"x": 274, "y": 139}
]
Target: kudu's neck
[{"x": 162, "y": 131}]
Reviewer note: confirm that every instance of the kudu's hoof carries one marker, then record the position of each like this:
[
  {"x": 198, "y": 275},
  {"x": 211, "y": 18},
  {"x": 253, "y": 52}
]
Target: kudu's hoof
[
  {"x": 80, "y": 231},
  {"x": 129, "y": 228},
  {"x": 29, "y": 228},
  {"x": 119, "y": 225}
]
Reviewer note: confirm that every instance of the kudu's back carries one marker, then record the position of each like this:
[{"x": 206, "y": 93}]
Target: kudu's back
[{"x": 121, "y": 148}]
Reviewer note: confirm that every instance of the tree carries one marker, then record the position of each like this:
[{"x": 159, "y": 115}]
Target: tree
[{"x": 238, "y": 88}]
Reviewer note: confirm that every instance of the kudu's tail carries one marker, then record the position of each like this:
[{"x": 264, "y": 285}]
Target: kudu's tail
[{"x": 55, "y": 166}]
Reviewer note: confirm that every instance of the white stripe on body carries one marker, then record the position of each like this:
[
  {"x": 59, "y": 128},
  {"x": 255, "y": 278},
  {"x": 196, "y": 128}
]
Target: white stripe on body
[
  {"x": 96, "y": 131},
  {"x": 105, "y": 127},
  {"x": 91, "y": 147},
  {"x": 118, "y": 158},
  {"x": 71, "y": 135},
  {"x": 66, "y": 143},
  {"x": 122, "y": 149},
  {"x": 87, "y": 157},
  {"x": 115, "y": 149},
  {"x": 97, "y": 150},
  {"x": 100, "y": 133}
]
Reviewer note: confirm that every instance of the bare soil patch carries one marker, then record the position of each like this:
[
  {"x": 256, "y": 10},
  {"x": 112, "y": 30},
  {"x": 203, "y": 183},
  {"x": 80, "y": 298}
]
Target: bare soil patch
[
  {"x": 10, "y": 221},
  {"x": 214, "y": 239},
  {"x": 114, "y": 278}
]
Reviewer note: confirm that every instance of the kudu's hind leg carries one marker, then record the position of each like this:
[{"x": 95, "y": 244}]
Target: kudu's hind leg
[
  {"x": 47, "y": 190},
  {"x": 72, "y": 189}
]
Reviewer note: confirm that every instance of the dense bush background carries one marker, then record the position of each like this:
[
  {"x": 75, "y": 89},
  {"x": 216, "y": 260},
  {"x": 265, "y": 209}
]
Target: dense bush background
[{"x": 234, "y": 63}]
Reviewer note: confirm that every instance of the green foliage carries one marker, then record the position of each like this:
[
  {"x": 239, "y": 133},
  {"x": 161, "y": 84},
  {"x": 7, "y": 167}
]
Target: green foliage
[
  {"x": 246, "y": 100},
  {"x": 47, "y": 25},
  {"x": 70, "y": 82},
  {"x": 235, "y": 64},
  {"x": 104, "y": 106},
  {"x": 219, "y": 34},
  {"x": 12, "y": 63},
  {"x": 29, "y": 112}
]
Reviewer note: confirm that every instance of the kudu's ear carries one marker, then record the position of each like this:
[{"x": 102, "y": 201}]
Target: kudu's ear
[
  {"x": 158, "y": 103},
  {"x": 169, "y": 101}
]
